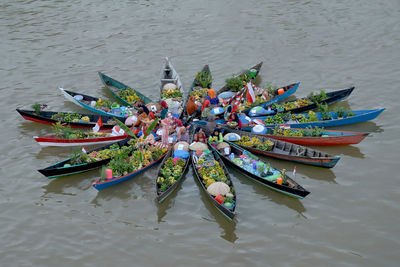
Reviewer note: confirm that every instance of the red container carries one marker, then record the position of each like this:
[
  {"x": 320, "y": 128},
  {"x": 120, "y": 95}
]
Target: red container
[{"x": 220, "y": 199}]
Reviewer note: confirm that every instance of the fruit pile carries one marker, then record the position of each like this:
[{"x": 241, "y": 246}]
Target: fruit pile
[
  {"x": 129, "y": 95},
  {"x": 255, "y": 142}
]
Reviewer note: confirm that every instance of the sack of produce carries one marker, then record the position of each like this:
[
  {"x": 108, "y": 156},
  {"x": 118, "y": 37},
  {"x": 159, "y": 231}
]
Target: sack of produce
[
  {"x": 218, "y": 188},
  {"x": 224, "y": 148},
  {"x": 170, "y": 86},
  {"x": 182, "y": 145},
  {"x": 232, "y": 137},
  {"x": 195, "y": 146}
]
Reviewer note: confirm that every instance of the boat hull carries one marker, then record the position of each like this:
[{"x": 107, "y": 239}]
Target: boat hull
[
  {"x": 322, "y": 141},
  {"x": 114, "y": 86},
  {"x": 45, "y": 118},
  {"x": 70, "y": 96},
  {"x": 226, "y": 212},
  {"x": 100, "y": 185},
  {"x": 57, "y": 170},
  {"x": 359, "y": 116},
  {"x": 292, "y": 89},
  {"x": 161, "y": 196},
  {"x": 256, "y": 67},
  {"x": 52, "y": 141}
]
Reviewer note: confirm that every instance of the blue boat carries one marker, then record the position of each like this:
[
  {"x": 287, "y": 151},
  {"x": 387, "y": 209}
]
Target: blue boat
[
  {"x": 289, "y": 90},
  {"x": 359, "y": 116},
  {"x": 102, "y": 184},
  {"x": 86, "y": 100},
  {"x": 331, "y": 98}
]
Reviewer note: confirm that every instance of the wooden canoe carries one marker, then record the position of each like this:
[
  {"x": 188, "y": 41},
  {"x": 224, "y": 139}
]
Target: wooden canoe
[
  {"x": 228, "y": 213},
  {"x": 291, "y": 188},
  {"x": 256, "y": 67},
  {"x": 54, "y": 140},
  {"x": 359, "y": 116},
  {"x": 205, "y": 69},
  {"x": 45, "y": 118},
  {"x": 289, "y": 90},
  {"x": 161, "y": 196},
  {"x": 58, "y": 170},
  {"x": 333, "y": 97},
  {"x": 85, "y": 103},
  {"x": 289, "y": 151},
  {"x": 328, "y": 138},
  {"x": 101, "y": 184},
  {"x": 114, "y": 87},
  {"x": 170, "y": 75}
]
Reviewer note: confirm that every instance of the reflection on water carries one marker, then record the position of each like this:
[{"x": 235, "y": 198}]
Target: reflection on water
[
  {"x": 123, "y": 191},
  {"x": 55, "y": 153},
  {"x": 60, "y": 186},
  {"x": 163, "y": 207},
  {"x": 351, "y": 151},
  {"x": 317, "y": 173},
  {"x": 30, "y": 128},
  {"x": 278, "y": 198},
  {"x": 367, "y": 126},
  {"x": 227, "y": 226}
]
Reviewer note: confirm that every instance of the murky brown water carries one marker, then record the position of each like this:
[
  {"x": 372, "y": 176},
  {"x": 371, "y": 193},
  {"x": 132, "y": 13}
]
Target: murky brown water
[{"x": 351, "y": 217}]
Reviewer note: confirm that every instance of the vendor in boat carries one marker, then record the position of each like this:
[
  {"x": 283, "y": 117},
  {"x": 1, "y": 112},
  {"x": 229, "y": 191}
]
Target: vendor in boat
[
  {"x": 216, "y": 137},
  {"x": 211, "y": 125},
  {"x": 164, "y": 109},
  {"x": 199, "y": 135},
  {"x": 233, "y": 116},
  {"x": 148, "y": 112},
  {"x": 192, "y": 108},
  {"x": 211, "y": 101},
  {"x": 143, "y": 119},
  {"x": 183, "y": 135}
]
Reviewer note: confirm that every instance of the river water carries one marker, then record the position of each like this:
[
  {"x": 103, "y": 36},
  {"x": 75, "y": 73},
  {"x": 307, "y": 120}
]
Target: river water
[{"x": 351, "y": 217}]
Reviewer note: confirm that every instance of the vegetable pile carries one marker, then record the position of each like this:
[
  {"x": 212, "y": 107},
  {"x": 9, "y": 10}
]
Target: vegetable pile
[
  {"x": 311, "y": 116},
  {"x": 132, "y": 158},
  {"x": 79, "y": 157},
  {"x": 234, "y": 84},
  {"x": 204, "y": 79},
  {"x": 170, "y": 173},
  {"x": 70, "y": 117}
]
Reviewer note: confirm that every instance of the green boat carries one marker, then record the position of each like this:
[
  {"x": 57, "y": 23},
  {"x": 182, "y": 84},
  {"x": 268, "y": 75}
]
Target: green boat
[
  {"x": 205, "y": 69},
  {"x": 122, "y": 92}
]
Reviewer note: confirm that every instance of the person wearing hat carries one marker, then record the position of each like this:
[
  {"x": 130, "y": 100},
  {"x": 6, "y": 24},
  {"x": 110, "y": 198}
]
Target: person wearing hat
[
  {"x": 199, "y": 135},
  {"x": 233, "y": 116},
  {"x": 183, "y": 135},
  {"x": 192, "y": 108}
]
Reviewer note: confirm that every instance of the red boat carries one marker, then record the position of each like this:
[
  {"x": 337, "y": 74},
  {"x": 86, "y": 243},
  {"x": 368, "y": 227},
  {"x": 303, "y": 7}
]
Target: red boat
[
  {"x": 328, "y": 138},
  {"x": 103, "y": 138}
]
